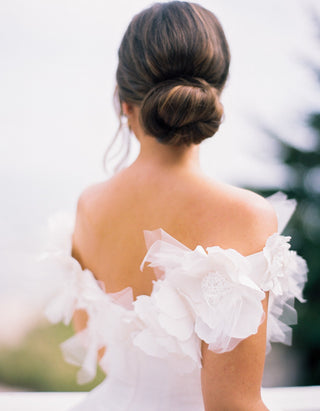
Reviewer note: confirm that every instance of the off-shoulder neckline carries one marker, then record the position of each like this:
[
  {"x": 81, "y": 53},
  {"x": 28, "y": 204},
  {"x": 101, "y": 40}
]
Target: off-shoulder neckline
[
  {"x": 124, "y": 297},
  {"x": 179, "y": 244},
  {"x": 283, "y": 207}
]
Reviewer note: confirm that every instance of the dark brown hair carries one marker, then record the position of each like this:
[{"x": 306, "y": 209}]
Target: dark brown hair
[{"x": 173, "y": 63}]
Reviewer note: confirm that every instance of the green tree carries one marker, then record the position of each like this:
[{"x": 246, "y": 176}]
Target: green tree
[{"x": 304, "y": 186}]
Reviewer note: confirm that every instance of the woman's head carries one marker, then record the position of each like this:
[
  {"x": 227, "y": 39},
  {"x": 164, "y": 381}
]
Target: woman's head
[{"x": 173, "y": 63}]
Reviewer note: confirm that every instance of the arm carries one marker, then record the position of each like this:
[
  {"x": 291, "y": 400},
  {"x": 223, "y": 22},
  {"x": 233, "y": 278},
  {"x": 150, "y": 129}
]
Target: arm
[
  {"x": 80, "y": 238},
  {"x": 232, "y": 380},
  {"x": 80, "y": 317}
]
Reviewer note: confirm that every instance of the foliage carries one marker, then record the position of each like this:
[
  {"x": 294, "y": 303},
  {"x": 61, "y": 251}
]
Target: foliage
[
  {"x": 304, "y": 185},
  {"x": 38, "y": 365}
]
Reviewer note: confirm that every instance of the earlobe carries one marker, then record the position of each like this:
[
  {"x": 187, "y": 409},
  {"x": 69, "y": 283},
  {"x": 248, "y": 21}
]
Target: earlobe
[
  {"x": 126, "y": 109},
  {"x": 130, "y": 112}
]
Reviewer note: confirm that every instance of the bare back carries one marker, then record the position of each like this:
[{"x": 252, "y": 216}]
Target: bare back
[{"x": 193, "y": 209}]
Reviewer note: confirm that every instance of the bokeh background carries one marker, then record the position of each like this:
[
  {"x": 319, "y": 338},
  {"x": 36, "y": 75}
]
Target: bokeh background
[{"x": 57, "y": 76}]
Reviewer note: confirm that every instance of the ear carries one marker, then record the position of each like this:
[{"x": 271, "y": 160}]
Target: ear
[{"x": 127, "y": 108}]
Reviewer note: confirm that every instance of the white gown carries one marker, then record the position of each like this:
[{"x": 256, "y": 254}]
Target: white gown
[{"x": 153, "y": 356}]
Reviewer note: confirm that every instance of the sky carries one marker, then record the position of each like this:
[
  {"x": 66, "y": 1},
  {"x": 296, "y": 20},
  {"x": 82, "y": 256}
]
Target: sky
[{"x": 57, "y": 76}]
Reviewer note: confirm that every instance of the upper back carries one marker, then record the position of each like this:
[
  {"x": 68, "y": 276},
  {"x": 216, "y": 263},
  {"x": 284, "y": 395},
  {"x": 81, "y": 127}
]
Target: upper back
[{"x": 108, "y": 237}]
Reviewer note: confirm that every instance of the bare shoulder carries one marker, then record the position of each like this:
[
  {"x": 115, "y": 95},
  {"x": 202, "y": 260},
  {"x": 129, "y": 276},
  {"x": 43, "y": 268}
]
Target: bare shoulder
[
  {"x": 92, "y": 200},
  {"x": 90, "y": 195},
  {"x": 255, "y": 219},
  {"x": 97, "y": 195},
  {"x": 250, "y": 217},
  {"x": 253, "y": 207},
  {"x": 87, "y": 220}
]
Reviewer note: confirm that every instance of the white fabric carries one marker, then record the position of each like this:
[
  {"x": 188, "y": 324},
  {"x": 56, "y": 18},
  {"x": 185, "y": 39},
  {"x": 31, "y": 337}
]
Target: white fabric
[
  {"x": 285, "y": 398},
  {"x": 153, "y": 356}
]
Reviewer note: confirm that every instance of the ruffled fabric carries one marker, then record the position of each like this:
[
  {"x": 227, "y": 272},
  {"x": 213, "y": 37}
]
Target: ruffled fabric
[
  {"x": 212, "y": 295},
  {"x": 108, "y": 314},
  {"x": 223, "y": 303},
  {"x": 166, "y": 329},
  {"x": 285, "y": 277},
  {"x": 282, "y": 272},
  {"x": 224, "y": 289}
]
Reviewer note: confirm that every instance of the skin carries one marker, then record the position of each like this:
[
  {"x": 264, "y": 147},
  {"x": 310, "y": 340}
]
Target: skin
[{"x": 166, "y": 188}]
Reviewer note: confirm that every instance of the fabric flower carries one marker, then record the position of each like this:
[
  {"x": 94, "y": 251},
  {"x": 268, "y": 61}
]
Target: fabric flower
[
  {"x": 284, "y": 275},
  {"x": 110, "y": 316},
  {"x": 166, "y": 327},
  {"x": 108, "y": 323},
  {"x": 285, "y": 271},
  {"x": 224, "y": 303}
]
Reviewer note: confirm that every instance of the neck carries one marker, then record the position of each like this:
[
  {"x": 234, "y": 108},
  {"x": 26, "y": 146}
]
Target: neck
[{"x": 163, "y": 155}]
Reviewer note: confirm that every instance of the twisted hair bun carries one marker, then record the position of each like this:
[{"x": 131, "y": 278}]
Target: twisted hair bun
[
  {"x": 181, "y": 111},
  {"x": 173, "y": 64}
]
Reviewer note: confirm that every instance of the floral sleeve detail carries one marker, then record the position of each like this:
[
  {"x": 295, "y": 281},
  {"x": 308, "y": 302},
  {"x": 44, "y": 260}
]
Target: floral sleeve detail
[
  {"x": 78, "y": 289},
  {"x": 224, "y": 290},
  {"x": 282, "y": 272},
  {"x": 284, "y": 277},
  {"x": 286, "y": 271},
  {"x": 223, "y": 302},
  {"x": 226, "y": 304}
]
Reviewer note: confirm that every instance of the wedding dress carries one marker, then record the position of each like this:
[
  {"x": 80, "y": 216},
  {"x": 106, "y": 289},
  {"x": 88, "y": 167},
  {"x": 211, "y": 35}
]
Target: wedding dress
[{"x": 153, "y": 356}]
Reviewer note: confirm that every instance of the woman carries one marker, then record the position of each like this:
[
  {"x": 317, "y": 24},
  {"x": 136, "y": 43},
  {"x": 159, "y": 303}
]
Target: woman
[{"x": 188, "y": 332}]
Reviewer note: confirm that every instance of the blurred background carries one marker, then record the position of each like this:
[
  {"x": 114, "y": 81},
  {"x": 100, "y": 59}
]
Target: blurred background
[{"x": 57, "y": 77}]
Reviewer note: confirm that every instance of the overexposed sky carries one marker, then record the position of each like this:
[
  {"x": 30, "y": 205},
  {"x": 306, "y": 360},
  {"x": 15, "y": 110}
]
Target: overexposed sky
[
  {"x": 57, "y": 79},
  {"x": 57, "y": 76}
]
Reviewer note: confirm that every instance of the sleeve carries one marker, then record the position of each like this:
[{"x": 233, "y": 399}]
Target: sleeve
[
  {"x": 75, "y": 289},
  {"x": 284, "y": 276},
  {"x": 223, "y": 290},
  {"x": 214, "y": 287},
  {"x": 282, "y": 272}
]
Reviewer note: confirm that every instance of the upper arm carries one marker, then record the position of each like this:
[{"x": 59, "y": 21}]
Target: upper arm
[
  {"x": 85, "y": 227},
  {"x": 79, "y": 239},
  {"x": 232, "y": 380},
  {"x": 80, "y": 227}
]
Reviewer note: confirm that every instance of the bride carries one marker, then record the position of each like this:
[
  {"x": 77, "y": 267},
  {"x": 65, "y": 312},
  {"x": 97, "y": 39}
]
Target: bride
[{"x": 175, "y": 281}]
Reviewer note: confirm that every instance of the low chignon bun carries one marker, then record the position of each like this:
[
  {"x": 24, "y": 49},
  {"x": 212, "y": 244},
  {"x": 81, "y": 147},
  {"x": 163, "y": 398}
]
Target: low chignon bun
[
  {"x": 173, "y": 64},
  {"x": 181, "y": 111}
]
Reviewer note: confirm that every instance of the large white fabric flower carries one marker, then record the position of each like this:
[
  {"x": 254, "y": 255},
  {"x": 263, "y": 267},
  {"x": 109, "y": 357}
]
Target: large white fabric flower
[{"x": 224, "y": 303}]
